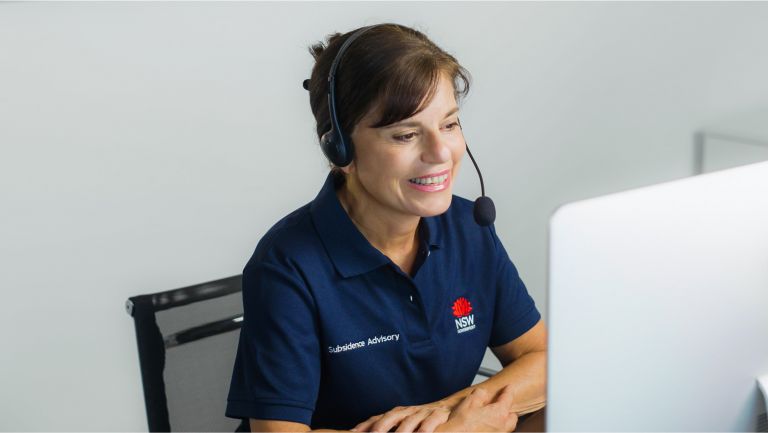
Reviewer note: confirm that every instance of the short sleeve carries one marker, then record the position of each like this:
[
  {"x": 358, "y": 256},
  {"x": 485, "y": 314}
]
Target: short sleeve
[
  {"x": 277, "y": 368},
  {"x": 515, "y": 311}
]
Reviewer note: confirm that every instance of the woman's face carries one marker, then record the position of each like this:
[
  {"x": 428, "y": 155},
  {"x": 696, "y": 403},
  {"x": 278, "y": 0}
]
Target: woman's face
[{"x": 407, "y": 168}]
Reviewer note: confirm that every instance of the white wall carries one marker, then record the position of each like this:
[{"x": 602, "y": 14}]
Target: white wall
[{"x": 149, "y": 146}]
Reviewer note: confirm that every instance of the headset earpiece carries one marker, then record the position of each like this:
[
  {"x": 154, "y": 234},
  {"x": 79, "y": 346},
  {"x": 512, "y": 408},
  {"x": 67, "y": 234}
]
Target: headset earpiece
[{"x": 336, "y": 149}]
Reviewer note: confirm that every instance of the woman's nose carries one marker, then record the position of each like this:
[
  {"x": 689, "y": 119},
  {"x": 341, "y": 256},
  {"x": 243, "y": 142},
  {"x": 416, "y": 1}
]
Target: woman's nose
[{"x": 436, "y": 149}]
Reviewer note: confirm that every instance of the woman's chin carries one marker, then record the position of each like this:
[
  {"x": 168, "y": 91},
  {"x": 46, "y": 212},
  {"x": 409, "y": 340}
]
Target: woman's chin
[{"x": 435, "y": 207}]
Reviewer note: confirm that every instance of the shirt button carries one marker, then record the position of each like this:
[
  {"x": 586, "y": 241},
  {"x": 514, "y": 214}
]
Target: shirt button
[{"x": 411, "y": 297}]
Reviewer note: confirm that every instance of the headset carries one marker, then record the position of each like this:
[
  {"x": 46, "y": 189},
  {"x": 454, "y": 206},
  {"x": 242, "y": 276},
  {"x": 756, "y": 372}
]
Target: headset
[{"x": 337, "y": 146}]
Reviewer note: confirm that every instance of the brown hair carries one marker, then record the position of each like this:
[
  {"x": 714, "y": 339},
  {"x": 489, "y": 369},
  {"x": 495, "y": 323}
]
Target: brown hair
[{"x": 390, "y": 66}]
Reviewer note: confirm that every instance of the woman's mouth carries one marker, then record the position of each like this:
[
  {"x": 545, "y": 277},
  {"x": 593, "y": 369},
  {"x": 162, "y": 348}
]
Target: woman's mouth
[{"x": 431, "y": 182}]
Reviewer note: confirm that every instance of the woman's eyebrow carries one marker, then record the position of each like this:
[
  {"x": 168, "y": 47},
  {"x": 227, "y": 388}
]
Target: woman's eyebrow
[
  {"x": 451, "y": 112},
  {"x": 401, "y": 123}
]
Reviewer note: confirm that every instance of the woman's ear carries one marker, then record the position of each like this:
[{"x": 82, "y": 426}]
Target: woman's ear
[{"x": 349, "y": 168}]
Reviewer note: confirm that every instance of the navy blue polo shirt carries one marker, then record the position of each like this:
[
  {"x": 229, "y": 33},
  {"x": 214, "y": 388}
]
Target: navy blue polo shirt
[{"x": 334, "y": 332}]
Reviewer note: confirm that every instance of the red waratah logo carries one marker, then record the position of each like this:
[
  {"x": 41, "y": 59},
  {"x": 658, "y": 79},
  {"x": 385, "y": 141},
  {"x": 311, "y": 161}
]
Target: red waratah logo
[
  {"x": 461, "y": 307},
  {"x": 464, "y": 321}
]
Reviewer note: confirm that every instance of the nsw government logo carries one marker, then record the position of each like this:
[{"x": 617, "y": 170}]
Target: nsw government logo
[{"x": 464, "y": 321}]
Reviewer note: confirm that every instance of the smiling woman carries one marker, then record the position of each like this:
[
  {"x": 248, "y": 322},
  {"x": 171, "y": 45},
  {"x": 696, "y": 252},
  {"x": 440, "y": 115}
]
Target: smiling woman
[
  {"x": 403, "y": 171},
  {"x": 372, "y": 306}
]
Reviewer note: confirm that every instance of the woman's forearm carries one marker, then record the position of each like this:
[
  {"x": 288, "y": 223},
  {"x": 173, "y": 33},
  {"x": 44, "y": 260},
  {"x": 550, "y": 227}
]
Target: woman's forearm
[{"x": 527, "y": 376}]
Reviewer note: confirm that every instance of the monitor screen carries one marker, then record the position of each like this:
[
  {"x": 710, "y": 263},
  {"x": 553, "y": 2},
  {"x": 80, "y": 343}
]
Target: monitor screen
[{"x": 658, "y": 307}]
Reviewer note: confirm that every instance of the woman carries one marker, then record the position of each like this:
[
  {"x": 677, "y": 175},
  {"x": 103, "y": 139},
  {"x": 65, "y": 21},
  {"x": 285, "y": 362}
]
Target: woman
[{"x": 372, "y": 306}]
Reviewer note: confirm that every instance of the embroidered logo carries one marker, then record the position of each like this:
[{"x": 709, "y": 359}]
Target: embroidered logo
[{"x": 461, "y": 311}]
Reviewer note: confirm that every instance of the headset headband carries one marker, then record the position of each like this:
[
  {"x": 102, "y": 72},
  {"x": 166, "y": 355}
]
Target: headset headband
[{"x": 335, "y": 124}]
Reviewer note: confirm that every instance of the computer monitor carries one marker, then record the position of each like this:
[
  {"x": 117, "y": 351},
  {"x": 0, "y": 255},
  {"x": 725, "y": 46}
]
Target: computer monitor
[{"x": 658, "y": 307}]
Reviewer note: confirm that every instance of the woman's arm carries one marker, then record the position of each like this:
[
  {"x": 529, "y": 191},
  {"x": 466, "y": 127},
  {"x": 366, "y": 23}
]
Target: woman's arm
[
  {"x": 524, "y": 374},
  {"x": 474, "y": 413},
  {"x": 525, "y": 371},
  {"x": 268, "y": 425}
]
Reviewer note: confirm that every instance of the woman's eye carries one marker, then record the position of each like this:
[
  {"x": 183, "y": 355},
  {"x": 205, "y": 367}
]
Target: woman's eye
[
  {"x": 405, "y": 137},
  {"x": 451, "y": 126}
]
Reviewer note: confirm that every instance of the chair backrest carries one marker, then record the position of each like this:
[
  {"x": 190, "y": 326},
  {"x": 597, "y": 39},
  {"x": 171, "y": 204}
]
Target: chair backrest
[{"x": 187, "y": 350}]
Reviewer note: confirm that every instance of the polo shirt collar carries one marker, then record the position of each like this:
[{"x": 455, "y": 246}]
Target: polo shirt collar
[
  {"x": 349, "y": 250},
  {"x": 430, "y": 232}
]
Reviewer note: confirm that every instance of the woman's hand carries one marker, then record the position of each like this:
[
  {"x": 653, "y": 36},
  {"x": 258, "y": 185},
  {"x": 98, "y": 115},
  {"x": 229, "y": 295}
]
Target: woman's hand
[
  {"x": 408, "y": 419},
  {"x": 475, "y": 414}
]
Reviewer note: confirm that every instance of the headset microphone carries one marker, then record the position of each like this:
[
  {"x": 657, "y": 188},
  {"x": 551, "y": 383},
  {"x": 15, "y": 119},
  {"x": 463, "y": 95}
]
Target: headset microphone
[{"x": 484, "y": 210}]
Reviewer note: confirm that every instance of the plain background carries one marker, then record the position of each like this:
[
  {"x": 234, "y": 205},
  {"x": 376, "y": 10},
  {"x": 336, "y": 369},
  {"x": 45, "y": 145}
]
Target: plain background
[{"x": 149, "y": 146}]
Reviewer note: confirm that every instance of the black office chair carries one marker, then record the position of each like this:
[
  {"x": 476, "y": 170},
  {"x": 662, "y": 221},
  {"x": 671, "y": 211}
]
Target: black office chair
[{"x": 186, "y": 385}]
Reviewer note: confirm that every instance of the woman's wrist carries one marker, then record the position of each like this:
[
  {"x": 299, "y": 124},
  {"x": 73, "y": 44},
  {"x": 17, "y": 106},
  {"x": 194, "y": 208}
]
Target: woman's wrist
[{"x": 453, "y": 400}]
